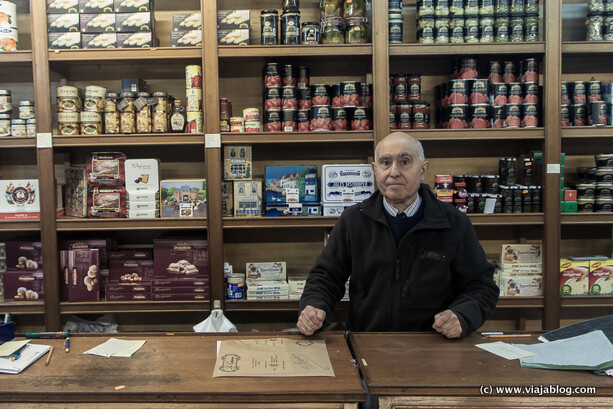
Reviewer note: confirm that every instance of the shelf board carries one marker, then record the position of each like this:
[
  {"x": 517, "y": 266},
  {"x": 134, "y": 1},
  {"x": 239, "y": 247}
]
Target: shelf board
[
  {"x": 477, "y": 134},
  {"x": 130, "y": 140},
  {"x": 270, "y": 305},
  {"x": 586, "y": 301},
  {"x": 297, "y": 137},
  {"x": 23, "y": 307},
  {"x": 132, "y": 306},
  {"x": 586, "y": 218},
  {"x": 520, "y": 302},
  {"x": 75, "y": 224},
  {"x": 155, "y": 53},
  {"x": 26, "y": 225},
  {"x": 302, "y": 50},
  {"x": 505, "y": 219},
  {"x": 17, "y": 142},
  {"x": 417, "y": 49},
  {"x": 587, "y": 131},
  {"x": 18, "y": 56},
  {"x": 279, "y": 222},
  {"x": 587, "y": 47}
]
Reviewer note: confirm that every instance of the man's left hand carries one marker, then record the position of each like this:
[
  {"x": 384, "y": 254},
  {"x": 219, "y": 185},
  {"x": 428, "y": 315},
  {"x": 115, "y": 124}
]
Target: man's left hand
[{"x": 448, "y": 324}]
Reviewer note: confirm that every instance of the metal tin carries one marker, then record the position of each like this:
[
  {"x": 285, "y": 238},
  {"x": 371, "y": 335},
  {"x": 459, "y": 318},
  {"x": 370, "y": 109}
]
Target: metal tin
[
  {"x": 585, "y": 205},
  {"x": 272, "y": 75},
  {"x": 512, "y": 115},
  {"x": 604, "y": 160},
  {"x": 531, "y": 27},
  {"x": 290, "y": 28},
  {"x": 339, "y": 119},
  {"x": 479, "y": 91},
  {"x": 9, "y": 39},
  {"x": 469, "y": 68},
  {"x": 193, "y": 76},
  {"x": 586, "y": 190},
  {"x": 94, "y": 98},
  {"x": 272, "y": 121},
  {"x": 8, "y": 12},
  {"x": 597, "y": 113},
  {"x": 517, "y": 28},
  {"x": 564, "y": 115},
  {"x": 319, "y": 94},
  {"x": 395, "y": 25},
  {"x": 498, "y": 94},
  {"x": 564, "y": 91},
  {"x": 531, "y": 93},
  {"x": 6, "y": 104},
  {"x": 5, "y": 124},
  {"x": 289, "y": 98},
  {"x": 350, "y": 96},
  {"x": 194, "y": 122},
  {"x": 502, "y": 29},
  {"x": 272, "y": 98},
  {"x": 252, "y": 126},
  {"x": 304, "y": 80},
  {"x": 18, "y": 128},
  {"x": 456, "y": 29},
  {"x": 68, "y": 99},
  {"x": 594, "y": 91},
  {"x": 91, "y": 123},
  {"x": 366, "y": 94},
  {"x": 509, "y": 72},
  {"x": 309, "y": 32},
  {"x": 603, "y": 205},
  {"x": 604, "y": 190},
  {"x": 288, "y": 76},
  {"x": 471, "y": 29},
  {"x": 479, "y": 116},
  {"x": 486, "y": 28},
  {"x": 498, "y": 116},
  {"x": 251, "y": 114},
  {"x": 288, "y": 120},
  {"x": 457, "y": 92},
  {"x": 321, "y": 118},
  {"x": 304, "y": 120},
  {"x": 26, "y": 110},
  {"x": 193, "y": 99},
  {"x": 530, "y": 118},
  {"x": 578, "y": 114},
  {"x": 604, "y": 175},
  {"x": 458, "y": 116},
  {"x": 304, "y": 98},
  {"x": 269, "y": 22},
  {"x": 361, "y": 119},
  {"x": 579, "y": 92},
  {"x": 516, "y": 93}
]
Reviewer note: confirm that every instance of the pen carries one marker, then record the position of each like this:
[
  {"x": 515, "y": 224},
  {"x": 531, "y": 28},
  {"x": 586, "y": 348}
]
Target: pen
[
  {"x": 67, "y": 346},
  {"x": 49, "y": 356},
  {"x": 17, "y": 354},
  {"x": 500, "y": 334},
  {"x": 34, "y": 335}
]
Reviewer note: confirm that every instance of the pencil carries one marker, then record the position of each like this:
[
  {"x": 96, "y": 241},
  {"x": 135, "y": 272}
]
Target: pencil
[
  {"x": 49, "y": 357},
  {"x": 508, "y": 335}
]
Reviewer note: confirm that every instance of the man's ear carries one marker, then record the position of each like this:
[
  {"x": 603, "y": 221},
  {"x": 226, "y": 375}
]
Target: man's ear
[{"x": 424, "y": 169}]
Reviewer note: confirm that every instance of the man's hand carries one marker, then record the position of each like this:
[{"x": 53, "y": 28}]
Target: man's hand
[
  {"x": 311, "y": 319},
  {"x": 448, "y": 324}
]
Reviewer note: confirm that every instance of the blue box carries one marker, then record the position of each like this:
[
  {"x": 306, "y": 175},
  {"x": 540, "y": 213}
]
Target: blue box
[{"x": 291, "y": 184}]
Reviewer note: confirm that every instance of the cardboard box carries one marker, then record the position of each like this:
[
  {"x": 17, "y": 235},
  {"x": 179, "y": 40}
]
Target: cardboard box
[
  {"x": 127, "y": 288},
  {"x": 346, "y": 183},
  {"x": 24, "y": 255},
  {"x": 142, "y": 175},
  {"x": 132, "y": 6},
  {"x": 247, "y": 198},
  {"x": 102, "y": 245},
  {"x": 23, "y": 285},
  {"x": 142, "y": 197},
  {"x": 132, "y": 254},
  {"x": 98, "y": 23},
  {"x": 144, "y": 206},
  {"x": 135, "y": 85},
  {"x": 143, "y": 39},
  {"x": 63, "y": 23},
  {"x": 264, "y": 285},
  {"x": 96, "y": 6},
  {"x": 232, "y": 19},
  {"x": 62, "y": 6},
  {"x": 84, "y": 279},
  {"x": 179, "y": 297},
  {"x": 186, "y": 38},
  {"x": 268, "y": 271},
  {"x": 293, "y": 209},
  {"x": 180, "y": 289},
  {"x": 183, "y": 198},
  {"x": 268, "y": 297},
  {"x": 101, "y": 40},
  {"x": 227, "y": 199},
  {"x": 186, "y": 21},
  {"x": 64, "y": 275},
  {"x": 291, "y": 184},
  {"x": 143, "y": 214},
  {"x": 238, "y": 162},
  {"x": 601, "y": 277},
  {"x": 19, "y": 200},
  {"x": 128, "y": 297},
  {"x": 520, "y": 253},
  {"x": 228, "y": 36},
  {"x": 131, "y": 271},
  {"x": 181, "y": 282},
  {"x": 570, "y": 195},
  {"x": 334, "y": 209},
  {"x": 522, "y": 285},
  {"x": 574, "y": 277},
  {"x": 176, "y": 258},
  {"x": 133, "y": 22}
]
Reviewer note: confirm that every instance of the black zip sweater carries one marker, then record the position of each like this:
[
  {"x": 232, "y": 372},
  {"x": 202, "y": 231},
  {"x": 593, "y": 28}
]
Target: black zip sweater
[{"x": 438, "y": 265}]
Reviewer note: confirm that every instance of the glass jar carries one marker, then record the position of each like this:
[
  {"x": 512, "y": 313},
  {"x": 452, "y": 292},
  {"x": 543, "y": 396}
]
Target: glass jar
[
  {"x": 111, "y": 113},
  {"x": 91, "y": 123},
  {"x": 26, "y": 109},
  {"x": 608, "y": 5},
  {"x": 517, "y": 7},
  {"x": 425, "y": 30},
  {"x": 471, "y": 29},
  {"x": 608, "y": 26},
  {"x": 269, "y": 21},
  {"x": 501, "y": 29},
  {"x": 425, "y": 8},
  {"x": 486, "y": 28},
  {"x": 471, "y": 7},
  {"x": 517, "y": 28},
  {"x": 531, "y": 6},
  {"x": 395, "y": 28},
  {"x": 68, "y": 123},
  {"x": 143, "y": 115},
  {"x": 501, "y": 7},
  {"x": 355, "y": 31},
  {"x": 5, "y": 124},
  {"x": 456, "y": 30},
  {"x": 290, "y": 5},
  {"x": 309, "y": 33},
  {"x": 127, "y": 116},
  {"x": 486, "y": 7},
  {"x": 595, "y": 6},
  {"x": 594, "y": 27},
  {"x": 290, "y": 28},
  {"x": 441, "y": 8},
  {"x": 354, "y": 9},
  {"x": 31, "y": 127},
  {"x": 160, "y": 112},
  {"x": 333, "y": 31},
  {"x": 531, "y": 27},
  {"x": 441, "y": 30},
  {"x": 18, "y": 128},
  {"x": 331, "y": 9}
]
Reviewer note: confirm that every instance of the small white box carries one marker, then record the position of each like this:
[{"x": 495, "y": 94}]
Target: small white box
[
  {"x": 521, "y": 285},
  {"x": 334, "y": 209},
  {"x": 143, "y": 214},
  {"x": 520, "y": 253},
  {"x": 270, "y": 271},
  {"x": 142, "y": 175}
]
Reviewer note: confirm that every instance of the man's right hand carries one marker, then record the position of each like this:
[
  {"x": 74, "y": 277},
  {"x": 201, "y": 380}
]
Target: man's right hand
[{"x": 311, "y": 319}]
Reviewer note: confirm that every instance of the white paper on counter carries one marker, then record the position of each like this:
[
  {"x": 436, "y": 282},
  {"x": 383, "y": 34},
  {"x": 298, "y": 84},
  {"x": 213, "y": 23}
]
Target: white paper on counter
[
  {"x": 116, "y": 347},
  {"x": 502, "y": 349}
]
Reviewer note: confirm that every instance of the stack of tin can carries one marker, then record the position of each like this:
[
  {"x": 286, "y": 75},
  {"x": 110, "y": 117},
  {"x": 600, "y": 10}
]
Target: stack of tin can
[
  {"x": 394, "y": 18},
  {"x": 595, "y": 185},
  {"x": 69, "y": 103},
  {"x": 24, "y": 125},
  {"x": 193, "y": 98},
  {"x": 586, "y": 103},
  {"x": 9, "y": 39}
]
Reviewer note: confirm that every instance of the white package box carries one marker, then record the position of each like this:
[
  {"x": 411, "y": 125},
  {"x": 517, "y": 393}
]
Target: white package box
[
  {"x": 346, "y": 183},
  {"x": 520, "y": 253},
  {"x": 334, "y": 209},
  {"x": 271, "y": 271},
  {"x": 521, "y": 285},
  {"x": 142, "y": 175},
  {"x": 133, "y": 197},
  {"x": 254, "y": 285},
  {"x": 143, "y": 214},
  {"x": 140, "y": 206},
  {"x": 19, "y": 200}
]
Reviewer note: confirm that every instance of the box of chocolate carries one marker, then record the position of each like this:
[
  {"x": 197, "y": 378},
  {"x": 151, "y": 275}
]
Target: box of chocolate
[
  {"x": 62, "y": 6},
  {"x": 128, "y": 297},
  {"x": 183, "y": 198},
  {"x": 143, "y": 197},
  {"x": 100, "y": 40},
  {"x": 601, "y": 277},
  {"x": 64, "y": 41},
  {"x": 237, "y": 162},
  {"x": 291, "y": 184},
  {"x": 131, "y": 254},
  {"x": 133, "y": 22},
  {"x": 106, "y": 169},
  {"x": 233, "y": 19},
  {"x": 103, "y": 246},
  {"x": 179, "y": 289},
  {"x": 127, "y": 288},
  {"x": 84, "y": 280},
  {"x": 63, "y": 23},
  {"x": 227, "y": 199},
  {"x": 186, "y": 21},
  {"x": 75, "y": 196},
  {"x": 106, "y": 202},
  {"x": 64, "y": 275},
  {"x": 186, "y": 38},
  {"x": 181, "y": 282},
  {"x": 520, "y": 253},
  {"x": 293, "y": 209},
  {"x": 346, "y": 183},
  {"x": 23, "y": 285},
  {"x": 131, "y": 6},
  {"x": 142, "y": 39},
  {"x": 131, "y": 271},
  {"x": 267, "y": 271},
  {"x": 247, "y": 198},
  {"x": 96, "y": 6},
  {"x": 175, "y": 258},
  {"x": 236, "y": 36},
  {"x": 179, "y": 297},
  {"x": 24, "y": 255},
  {"x": 98, "y": 23},
  {"x": 19, "y": 200}
]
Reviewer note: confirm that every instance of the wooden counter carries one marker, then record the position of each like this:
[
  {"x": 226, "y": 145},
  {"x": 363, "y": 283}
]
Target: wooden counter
[
  {"x": 172, "y": 371},
  {"x": 430, "y": 371}
]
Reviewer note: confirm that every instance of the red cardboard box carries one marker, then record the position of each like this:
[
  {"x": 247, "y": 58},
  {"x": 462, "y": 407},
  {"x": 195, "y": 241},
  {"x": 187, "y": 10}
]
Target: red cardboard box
[
  {"x": 130, "y": 271},
  {"x": 23, "y": 285},
  {"x": 175, "y": 258},
  {"x": 570, "y": 195},
  {"x": 101, "y": 244},
  {"x": 84, "y": 268},
  {"x": 180, "y": 290},
  {"x": 128, "y": 297},
  {"x": 127, "y": 288}
]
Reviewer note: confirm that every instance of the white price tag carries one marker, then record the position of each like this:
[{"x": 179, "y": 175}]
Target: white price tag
[
  {"x": 553, "y": 168},
  {"x": 44, "y": 140},
  {"x": 292, "y": 195},
  {"x": 212, "y": 140}
]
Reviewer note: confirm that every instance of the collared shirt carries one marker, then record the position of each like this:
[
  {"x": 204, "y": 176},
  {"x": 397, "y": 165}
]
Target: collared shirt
[{"x": 409, "y": 211}]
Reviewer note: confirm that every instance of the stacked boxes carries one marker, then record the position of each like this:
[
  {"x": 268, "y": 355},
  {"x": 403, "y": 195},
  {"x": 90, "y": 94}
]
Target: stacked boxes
[
  {"x": 130, "y": 275},
  {"x": 241, "y": 195},
  {"x": 267, "y": 281},
  {"x": 186, "y": 30},
  {"x": 233, "y": 27},
  {"x": 23, "y": 278},
  {"x": 83, "y": 269},
  {"x": 8, "y": 27},
  {"x": 296, "y": 284},
  {"x": 143, "y": 188},
  {"x": 19, "y": 199},
  {"x": 520, "y": 270},
  {"x": 100, "y": 24},
  {"x": 345, "y": 185},
  {"x": 292, "y": 191}
]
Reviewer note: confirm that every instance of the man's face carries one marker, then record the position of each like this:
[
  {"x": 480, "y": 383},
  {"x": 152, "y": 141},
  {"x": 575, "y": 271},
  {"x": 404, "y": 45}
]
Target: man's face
[{"x": 398, "y": 170}]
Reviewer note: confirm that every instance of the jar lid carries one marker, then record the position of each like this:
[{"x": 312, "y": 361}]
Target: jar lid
[
  {"x": 269, "y": 12},
  {"x": 18, "y": 121},
  {"x": 112, "y": 95},
  {"x": 356, "y": 20},
  {"x": 127, "y": 95},
  {"x": 160, "y": 94},
  {"x": 143, "y": 94},
  {"x": 224, "y": 99},
  {"x": 26, "y": 103}
]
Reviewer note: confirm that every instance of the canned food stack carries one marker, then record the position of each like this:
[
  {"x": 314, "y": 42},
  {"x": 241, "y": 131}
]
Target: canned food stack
[
  {"x": 586, "y": 103},
  {"x": 9, "y": 35},
  {"x": 74, "y": 24},
  {"x": 24, "y": 125},
  {"x": 476, "y": 21},
  {"x": 193, "y": 92},
  {"x": 394, "y": 18},
  {"x": 407, "y": 110},
  {"x": 93, "y": 109},
  {"x": 343, "y": 22},
  {"x": 594, "y": 188},
  {"x": 599, "y": 20},
  {"x": 69, "y": 104},
  {"x": 507, "y": 98}
]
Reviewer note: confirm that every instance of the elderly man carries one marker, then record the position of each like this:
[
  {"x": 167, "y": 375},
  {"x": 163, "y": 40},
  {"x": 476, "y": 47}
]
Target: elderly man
[{"x": 415, "y": 263}]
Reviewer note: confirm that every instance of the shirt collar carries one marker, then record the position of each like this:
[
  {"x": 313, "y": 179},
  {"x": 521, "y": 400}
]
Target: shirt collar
[{"x": 409, "y": 211}]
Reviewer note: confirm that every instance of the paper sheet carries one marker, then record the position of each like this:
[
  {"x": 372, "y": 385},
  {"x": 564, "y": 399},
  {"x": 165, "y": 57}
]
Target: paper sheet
[
  {"x": 116, "y": 347},
  {"x": 29, "y": 354},
  {"x": 11, "y": 347},
  {"x": 502, "y": 349},
  {"x": 273, "y": 357}
]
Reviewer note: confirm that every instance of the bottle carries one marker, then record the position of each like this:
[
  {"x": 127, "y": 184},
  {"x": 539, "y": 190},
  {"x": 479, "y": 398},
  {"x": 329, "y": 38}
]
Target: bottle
[{"x": 177, "y": 120}]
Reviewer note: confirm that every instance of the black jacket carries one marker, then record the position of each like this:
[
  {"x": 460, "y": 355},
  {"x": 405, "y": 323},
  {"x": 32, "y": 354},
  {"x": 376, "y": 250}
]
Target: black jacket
[{"x": 438, "y": 265}]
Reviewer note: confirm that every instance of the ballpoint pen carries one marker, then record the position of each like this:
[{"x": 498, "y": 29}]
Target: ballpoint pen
[
  {"x": 17, "y": 354},
  {"x": 67, "y": 346}
]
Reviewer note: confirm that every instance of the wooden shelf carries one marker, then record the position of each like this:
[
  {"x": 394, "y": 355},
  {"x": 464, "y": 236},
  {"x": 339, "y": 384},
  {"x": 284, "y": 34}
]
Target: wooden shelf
[
  {"x": 478, "y": 134},
  {"x": 587, "y": 47},
  {"x": 130, "y": 140},
  {"x": 587, "y": 131},
  {"x": 156, "y": 53},
  {"x": 132, "y": 306},
  {"x": 270, "y": 305},
  {"x": 507, "y": 219},
  {"x": 11, "y": 225},
  {"x": 520, "y": 302},
  {"x": 19, "y": 56},
  {"x": 279, "y": 222},
  {"x": 294, "y": 50},
  {"x": 17, "y": 142},
  {"x": 586, "y": 301},
  {"x": 297, "y": 137},
  {"x": 22, "y": 307},
  {"x": 417, "y": 49},
  {"x": 74, "y": 224},
  {"x": 586, "y": 218}
]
